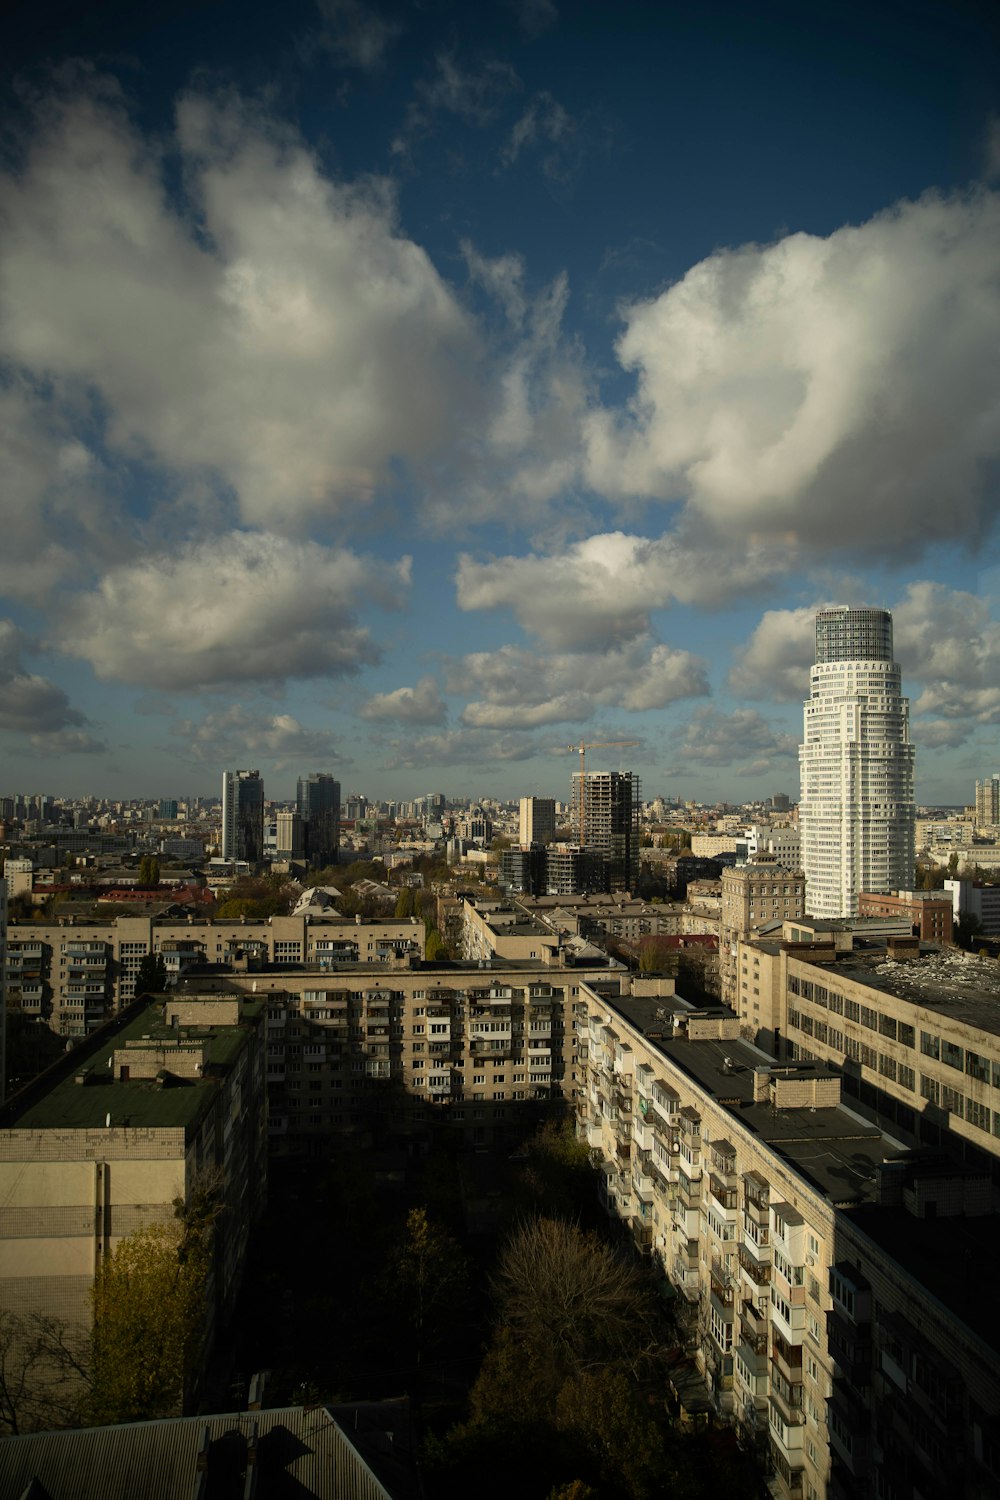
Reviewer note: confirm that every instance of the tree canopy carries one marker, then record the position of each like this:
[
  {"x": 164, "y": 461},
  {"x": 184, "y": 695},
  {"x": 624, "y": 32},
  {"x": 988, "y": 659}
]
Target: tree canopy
[
  {"x": 151, "y": 975},
  {"x": 149, "y": 1315}
]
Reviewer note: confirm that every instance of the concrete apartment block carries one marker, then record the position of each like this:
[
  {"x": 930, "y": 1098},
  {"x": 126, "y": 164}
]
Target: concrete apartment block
[{"x": 812, "y": 1256}]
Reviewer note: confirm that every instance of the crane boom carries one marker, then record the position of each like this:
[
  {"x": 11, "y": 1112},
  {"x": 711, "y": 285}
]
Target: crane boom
[{"x": 583, "y": 748}]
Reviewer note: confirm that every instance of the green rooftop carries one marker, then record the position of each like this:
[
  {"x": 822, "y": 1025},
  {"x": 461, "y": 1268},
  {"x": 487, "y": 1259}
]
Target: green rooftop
[{"x": 167, "y": 1099}]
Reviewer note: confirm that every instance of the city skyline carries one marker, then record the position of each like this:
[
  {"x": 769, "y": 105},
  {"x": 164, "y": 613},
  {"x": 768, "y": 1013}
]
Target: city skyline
[{"x": 417, "y": 393}]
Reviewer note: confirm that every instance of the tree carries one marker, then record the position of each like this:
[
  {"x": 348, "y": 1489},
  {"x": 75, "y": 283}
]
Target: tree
[
  {"x": 149, "y": 872},
  {"x": 569, "y": 1295},
  {"x": 151, "y": 975},
  {"x": 43, "y": 1372},
  {"x": 555, "y": 1175},
  {"x": 967, "y": 929},
  {"x": 149, "y": 1310},
  {"x": 603, "y": 1408},
  {"x": 404, "y": 902},
  {"x": 436, "y": 948},
  {"x": 428, "y": 1277}
]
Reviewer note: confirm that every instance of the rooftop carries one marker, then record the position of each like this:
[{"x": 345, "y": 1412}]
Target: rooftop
[
  {"x": 959, "y": 985},
  {"x": 363, "y": 1451},
  {"x": 57, "y": 1101},
  {"x": 834, "y": 1149}
]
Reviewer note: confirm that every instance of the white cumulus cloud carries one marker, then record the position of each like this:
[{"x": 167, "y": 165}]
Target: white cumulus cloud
[
  {"x": 522, "y": 689},
  {"x": 293, "y": 346},
  {"x": 743, "y": 738},
  {"x": 33, "y": 705},
  {"x": 838, "y": 390},
  {"x": 420, "y": 704},
  {"x": 245, "y": 607},
  {"x": 238, "y": 733}
]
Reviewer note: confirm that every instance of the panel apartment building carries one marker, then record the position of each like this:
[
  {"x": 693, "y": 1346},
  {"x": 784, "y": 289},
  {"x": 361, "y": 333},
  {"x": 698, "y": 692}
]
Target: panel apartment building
[
  {"x": 366, "y": 1054},
  {"x": 815, "y": 1261},
  {"x": 72, "y": 974},
  {"x": 167, "y": 1095}
]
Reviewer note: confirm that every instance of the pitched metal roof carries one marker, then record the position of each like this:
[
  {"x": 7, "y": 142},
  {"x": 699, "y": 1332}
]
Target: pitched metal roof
[{"x": 361, "y": 1452}]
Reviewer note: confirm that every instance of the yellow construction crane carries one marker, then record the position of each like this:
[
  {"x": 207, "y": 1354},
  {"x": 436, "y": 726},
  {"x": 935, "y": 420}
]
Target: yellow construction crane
[{"x": 593, "y": 745}]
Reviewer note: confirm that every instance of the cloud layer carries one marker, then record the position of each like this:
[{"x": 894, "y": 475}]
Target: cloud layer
[
  {"x": 839, "y": 390},
  {"x": 245, "y": 607},
  {"x": 274, "y": 331}
]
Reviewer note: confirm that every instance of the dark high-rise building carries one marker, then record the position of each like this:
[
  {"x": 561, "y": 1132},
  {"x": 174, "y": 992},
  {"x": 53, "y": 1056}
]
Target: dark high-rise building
[
  {"x": 318, "y": 805},
  {"x": 243, "y": 816},
  {"x": 606, "y": 815}
]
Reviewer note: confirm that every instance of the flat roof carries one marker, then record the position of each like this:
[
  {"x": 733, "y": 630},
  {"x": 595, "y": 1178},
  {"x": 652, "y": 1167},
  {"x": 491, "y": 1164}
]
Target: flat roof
[
  {"x": 832, "y": 1148},
  {"x": 140, "y": 1103},
  {"x": 959, "y": 985}
]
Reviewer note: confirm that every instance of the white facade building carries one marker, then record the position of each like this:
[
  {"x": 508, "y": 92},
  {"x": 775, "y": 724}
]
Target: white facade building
[{"x": 856, "y": 811}]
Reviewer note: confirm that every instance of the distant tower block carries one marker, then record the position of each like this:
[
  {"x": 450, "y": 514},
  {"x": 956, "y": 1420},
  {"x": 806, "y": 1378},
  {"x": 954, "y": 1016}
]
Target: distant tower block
[
  {"x": 537, "y": 824},
  {"x": 243, "y": 816},
  {"x": 608, "y": 806}
]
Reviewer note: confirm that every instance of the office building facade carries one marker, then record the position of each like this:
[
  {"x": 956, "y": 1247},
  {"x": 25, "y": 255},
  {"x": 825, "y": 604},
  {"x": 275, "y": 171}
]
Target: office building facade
[
  {"x": 857, "y": 812},
  {"x": 243, "y": 816},
  {"x": 537, "y": 820},
  {"x": 318, "y": 805}
]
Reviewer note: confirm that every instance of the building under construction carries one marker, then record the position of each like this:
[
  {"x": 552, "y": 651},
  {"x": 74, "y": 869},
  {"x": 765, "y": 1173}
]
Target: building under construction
[{"x": 606, "y": 818}]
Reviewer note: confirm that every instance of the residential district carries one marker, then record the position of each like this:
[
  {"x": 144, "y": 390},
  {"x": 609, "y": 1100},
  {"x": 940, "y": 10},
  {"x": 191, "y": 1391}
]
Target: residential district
[{"x": 775, "y": 1030}]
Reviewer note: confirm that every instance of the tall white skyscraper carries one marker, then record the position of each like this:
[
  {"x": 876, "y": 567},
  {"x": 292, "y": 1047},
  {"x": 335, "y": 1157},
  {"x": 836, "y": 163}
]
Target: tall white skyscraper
[{"x": 856, "y": 807}]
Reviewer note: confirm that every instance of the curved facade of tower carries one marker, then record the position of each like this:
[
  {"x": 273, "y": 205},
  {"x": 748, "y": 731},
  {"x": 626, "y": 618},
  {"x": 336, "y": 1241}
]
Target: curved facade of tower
[{"x": 856, "y": 808}]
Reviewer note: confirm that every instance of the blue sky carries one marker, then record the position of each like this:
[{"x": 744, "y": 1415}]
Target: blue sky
[{"x": 410, "y": 391}]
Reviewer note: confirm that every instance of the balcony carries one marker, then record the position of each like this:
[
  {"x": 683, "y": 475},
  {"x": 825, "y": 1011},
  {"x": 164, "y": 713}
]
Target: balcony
[
  {"x": 759, "y": 1271},
  {"x": 755, "y": 1325},
  {"x": 725, "y": 1195},
  {"x": 788, "y": 1430},
  {"x": 850, "y": 1348},
  {"x": 753, "y": 1369},
  {"x": 723, "y": 1283}
]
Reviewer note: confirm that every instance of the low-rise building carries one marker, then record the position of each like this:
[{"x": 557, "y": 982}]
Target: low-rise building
[
  {"x": 930, "y": 912},
  {"x": 975, "y": 899}
]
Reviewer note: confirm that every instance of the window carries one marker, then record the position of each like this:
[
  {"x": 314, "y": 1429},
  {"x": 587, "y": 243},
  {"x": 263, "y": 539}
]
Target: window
[
  {"x": 930, "y": 1089},
  {"x": 977, "y": 1067},
  {"x": 930, "y": 1045},
  {"x": 952, "y": 1100},
  {"x": 952, "y": 1055}
]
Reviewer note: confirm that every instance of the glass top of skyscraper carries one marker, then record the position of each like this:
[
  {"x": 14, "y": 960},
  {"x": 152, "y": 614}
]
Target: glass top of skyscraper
[{"x": 844, "y": 634}]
